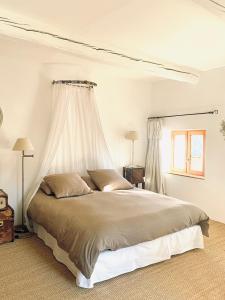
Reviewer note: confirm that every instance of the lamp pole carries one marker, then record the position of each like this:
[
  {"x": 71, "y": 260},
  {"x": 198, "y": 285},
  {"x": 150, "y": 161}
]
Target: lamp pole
[
  {"x": 23, "y": 156},
  {"x": 22, "y": 187},
  {"x": 132, "y": 153}
]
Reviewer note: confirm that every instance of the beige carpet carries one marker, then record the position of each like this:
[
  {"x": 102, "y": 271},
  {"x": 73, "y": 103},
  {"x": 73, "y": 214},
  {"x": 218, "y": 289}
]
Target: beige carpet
[{"x": 28, "y": 270}]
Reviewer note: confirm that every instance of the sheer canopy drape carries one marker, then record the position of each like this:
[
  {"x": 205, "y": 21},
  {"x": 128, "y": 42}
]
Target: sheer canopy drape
[
  {"x": 153, "y": 172},
  {"x": 75, "y": 141}
]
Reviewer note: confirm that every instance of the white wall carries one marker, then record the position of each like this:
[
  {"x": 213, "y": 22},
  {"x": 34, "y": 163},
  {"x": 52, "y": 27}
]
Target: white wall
[
  {"x": 170, "y": 97},
  {"x": 26, "y": 72}
]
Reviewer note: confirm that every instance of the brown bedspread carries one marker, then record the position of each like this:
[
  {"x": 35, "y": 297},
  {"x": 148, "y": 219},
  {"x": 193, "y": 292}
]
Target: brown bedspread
[{"x": 86, "y": 225}]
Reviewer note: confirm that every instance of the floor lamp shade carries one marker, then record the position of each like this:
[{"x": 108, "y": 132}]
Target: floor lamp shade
[
  {"x": 132, "y": 136},
  {"x": 23, "y": 144}
]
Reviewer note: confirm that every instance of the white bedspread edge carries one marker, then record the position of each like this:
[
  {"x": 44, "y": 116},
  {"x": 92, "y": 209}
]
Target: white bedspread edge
[{"x": 114, "y": 263}]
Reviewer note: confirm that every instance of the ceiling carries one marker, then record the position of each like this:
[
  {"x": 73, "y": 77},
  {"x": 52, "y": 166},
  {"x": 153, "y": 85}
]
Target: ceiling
[{"x": 182, "y": 32}]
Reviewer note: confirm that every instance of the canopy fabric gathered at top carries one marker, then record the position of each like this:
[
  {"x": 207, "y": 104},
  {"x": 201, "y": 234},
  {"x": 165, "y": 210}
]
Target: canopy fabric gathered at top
[{"x": 76, "y": 141}]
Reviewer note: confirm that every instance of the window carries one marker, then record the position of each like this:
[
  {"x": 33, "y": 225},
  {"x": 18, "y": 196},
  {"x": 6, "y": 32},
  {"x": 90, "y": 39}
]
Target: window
[{"x": 188, "y": 152}]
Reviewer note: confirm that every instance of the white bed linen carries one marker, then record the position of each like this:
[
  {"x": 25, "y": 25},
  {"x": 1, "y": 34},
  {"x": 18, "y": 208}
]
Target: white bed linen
[{"x": 114, "y": 263}]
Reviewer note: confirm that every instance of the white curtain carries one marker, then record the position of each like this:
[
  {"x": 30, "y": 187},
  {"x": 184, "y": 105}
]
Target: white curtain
[
  {"x": 75, "y": 141},
  {"x": 153, "y": 172}
]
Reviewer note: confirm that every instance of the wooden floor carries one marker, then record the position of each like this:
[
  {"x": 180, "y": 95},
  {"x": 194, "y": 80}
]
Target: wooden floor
[{"x": 28, "y": 270}]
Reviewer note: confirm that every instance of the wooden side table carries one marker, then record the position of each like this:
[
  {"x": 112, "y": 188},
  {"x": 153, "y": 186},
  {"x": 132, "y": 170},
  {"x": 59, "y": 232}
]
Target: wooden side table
[{"x": 135, "y": 175}]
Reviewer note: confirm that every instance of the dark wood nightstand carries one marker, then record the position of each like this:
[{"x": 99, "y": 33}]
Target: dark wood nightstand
[{"x": 135, "y": 175}]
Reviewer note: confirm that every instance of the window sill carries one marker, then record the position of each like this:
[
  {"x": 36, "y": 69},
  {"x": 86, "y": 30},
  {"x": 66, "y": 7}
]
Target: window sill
[{"x": 187, "y": 175}]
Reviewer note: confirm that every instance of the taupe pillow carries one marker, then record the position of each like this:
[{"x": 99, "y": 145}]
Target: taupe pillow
[
  {"x": 89, "y": 182},
  {"x": 45, "y": 188},
  {"x": 67, "y": 185},
  {"x": 108, "y": 180}
]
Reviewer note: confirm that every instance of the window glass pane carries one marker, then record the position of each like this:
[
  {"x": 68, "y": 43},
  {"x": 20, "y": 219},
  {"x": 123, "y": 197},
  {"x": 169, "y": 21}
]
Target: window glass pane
[
  {"x": 180, "y": 152},
  {"x": 197, "y": 152}
]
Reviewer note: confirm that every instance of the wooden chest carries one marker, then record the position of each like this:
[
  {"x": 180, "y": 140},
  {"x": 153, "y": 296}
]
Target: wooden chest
[{"x": 6, "y": 225}]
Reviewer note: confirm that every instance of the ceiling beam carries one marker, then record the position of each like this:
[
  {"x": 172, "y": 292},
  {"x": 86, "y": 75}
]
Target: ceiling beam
[
  {"x": 22, "y": 28},
  {"x": 215, "y": 6}
]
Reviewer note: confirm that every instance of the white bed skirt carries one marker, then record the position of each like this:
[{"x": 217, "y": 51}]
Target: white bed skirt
[{"x": 113, "y": 263}]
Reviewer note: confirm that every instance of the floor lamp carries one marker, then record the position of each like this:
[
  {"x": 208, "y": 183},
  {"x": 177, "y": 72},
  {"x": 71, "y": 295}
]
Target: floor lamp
[{"x": 23, "y": 144}]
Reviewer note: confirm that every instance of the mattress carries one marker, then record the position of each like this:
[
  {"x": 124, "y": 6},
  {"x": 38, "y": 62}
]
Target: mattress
[{"x": 114, "y": 263}]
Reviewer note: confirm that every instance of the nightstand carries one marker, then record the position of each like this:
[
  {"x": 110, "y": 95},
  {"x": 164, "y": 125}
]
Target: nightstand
[{"x": 135, "y": 175}]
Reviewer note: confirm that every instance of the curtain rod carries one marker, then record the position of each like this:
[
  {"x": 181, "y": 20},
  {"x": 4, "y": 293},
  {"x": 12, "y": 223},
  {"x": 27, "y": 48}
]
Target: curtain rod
[
  {"x": 182, "y": 115},
  {"x": 90, "y": 83}
]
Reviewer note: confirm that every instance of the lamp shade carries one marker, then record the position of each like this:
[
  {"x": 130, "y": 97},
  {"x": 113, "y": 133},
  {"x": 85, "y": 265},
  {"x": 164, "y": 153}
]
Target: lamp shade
[
  {"x": 23, "y": 144},
  {"x": 131, "y": 135}
]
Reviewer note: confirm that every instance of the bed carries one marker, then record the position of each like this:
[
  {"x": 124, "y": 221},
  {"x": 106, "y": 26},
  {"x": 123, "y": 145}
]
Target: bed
[{"x": 105, "y": 234}]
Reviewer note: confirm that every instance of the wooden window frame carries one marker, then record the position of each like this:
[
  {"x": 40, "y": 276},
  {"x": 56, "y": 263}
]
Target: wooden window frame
[{"x": 187, "y": 170}]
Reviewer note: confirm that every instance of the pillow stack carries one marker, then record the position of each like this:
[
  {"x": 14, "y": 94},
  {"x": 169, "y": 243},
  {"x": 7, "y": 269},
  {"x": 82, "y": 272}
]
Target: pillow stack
[{"x": 71, "y": 184}]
